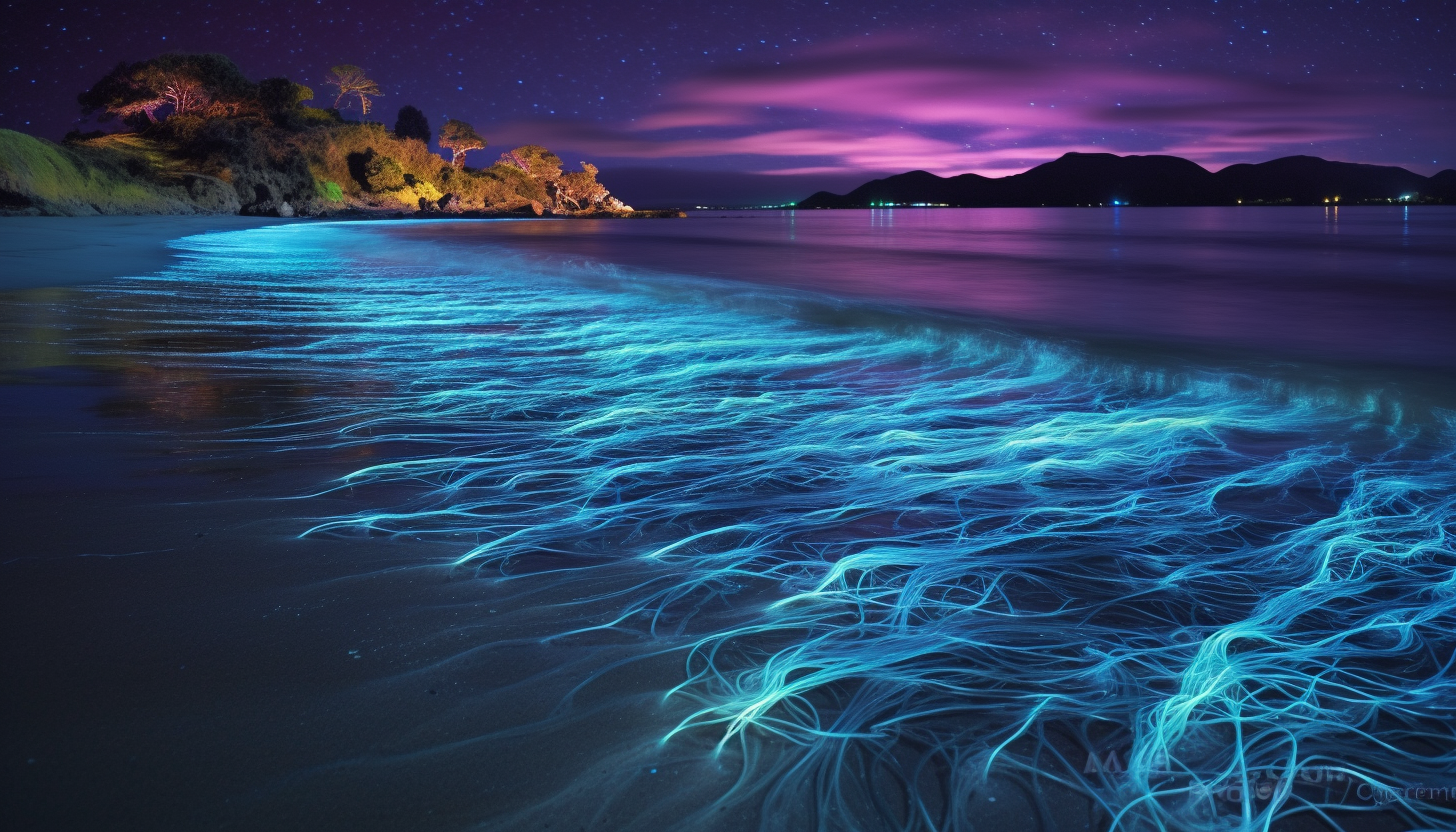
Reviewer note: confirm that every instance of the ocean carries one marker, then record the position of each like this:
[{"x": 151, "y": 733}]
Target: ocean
[{"x": 1057, "y": 519}]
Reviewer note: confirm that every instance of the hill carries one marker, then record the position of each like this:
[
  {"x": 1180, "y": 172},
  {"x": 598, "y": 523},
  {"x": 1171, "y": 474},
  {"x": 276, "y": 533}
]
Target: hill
[
  {"x": 200, "y": 137},
  {"x": 115, "y": 177},
  {"x": 1107, "y": 179}
]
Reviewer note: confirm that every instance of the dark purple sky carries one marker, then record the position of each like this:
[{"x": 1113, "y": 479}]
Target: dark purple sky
[{"x": 818, "y": 92}]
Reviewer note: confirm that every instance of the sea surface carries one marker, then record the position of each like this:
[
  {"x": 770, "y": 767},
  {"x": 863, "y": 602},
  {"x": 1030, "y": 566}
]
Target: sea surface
[{"x": 1058, "y": 519}]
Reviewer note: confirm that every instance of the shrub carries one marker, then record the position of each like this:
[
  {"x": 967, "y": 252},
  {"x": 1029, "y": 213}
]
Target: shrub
[
  {"x": 426, "y": 191},
  {"x": 382, "y": 174}
]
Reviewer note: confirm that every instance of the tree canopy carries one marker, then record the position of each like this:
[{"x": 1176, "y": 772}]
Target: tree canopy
[
  {"x": 189, "y": 83},
  {"x": 412, "y": 124},
  {"x": 581, "y": 188},
  {"x": 121, "y": 92},
  {"x": 539, "y": 163},
  {"x": 281, "y": 94},
  {"x": 351, "y": 81},
  {"x": 460, "y": 138}
]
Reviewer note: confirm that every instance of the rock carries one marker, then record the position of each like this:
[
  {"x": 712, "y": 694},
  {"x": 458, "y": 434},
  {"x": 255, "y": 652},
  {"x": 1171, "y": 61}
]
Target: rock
[
  {"x": 661, "y": 213},
  {"x": 450, "y": 203},
  {"x": 285, "y": 210},
  {"x": 212, "y": 195}
]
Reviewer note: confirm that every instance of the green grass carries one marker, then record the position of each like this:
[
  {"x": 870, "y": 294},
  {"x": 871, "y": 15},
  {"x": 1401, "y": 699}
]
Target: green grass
[
  {"x": 330, "y": 191},
  {"x": 61, "y": 180}
]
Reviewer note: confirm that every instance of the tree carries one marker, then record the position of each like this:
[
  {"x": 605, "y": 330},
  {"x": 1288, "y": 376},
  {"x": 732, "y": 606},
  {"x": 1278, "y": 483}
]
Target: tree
[
  {"x": 122, "y": 92},
  {"x": 581, "y": 188},
  {"x": 351, "y": 81},
  {"x": 279, "y": 95},
  {"x": 198, "y": 83},
  {"x": 538, "y": 163},
  {"x": 190, "y": 83},
  {"x": 459, "y": 138},
  {"x": 412, "y": 124},
  {"x": 217, "y": 72},
  {"x": 183, "y": 90}
]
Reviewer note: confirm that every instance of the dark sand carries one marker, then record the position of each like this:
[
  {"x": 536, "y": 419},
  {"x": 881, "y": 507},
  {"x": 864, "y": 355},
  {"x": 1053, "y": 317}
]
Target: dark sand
[{"x": 68, "y": 251}]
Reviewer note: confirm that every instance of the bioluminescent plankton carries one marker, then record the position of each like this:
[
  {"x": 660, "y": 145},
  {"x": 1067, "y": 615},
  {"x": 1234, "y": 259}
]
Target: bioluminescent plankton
[{"x": 917, "y": 558}]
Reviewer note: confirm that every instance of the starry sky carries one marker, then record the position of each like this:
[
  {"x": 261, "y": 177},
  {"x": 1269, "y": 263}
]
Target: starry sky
[{"x": 776, "y": 99}]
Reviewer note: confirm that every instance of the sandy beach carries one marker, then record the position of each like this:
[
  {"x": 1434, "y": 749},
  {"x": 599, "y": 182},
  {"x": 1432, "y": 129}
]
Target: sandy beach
[{"x": 68, "y": 251}]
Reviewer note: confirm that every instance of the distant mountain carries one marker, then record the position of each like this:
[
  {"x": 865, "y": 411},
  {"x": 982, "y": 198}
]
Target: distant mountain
[{"x": 1106, "y": 179}]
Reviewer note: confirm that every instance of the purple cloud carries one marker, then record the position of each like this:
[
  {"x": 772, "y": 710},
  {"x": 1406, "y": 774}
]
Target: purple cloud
[{"x": 899, "y": 107}]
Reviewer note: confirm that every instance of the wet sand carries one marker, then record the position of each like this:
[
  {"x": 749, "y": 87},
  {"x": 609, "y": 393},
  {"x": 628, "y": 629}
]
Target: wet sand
[
  {"x": 70, "y": 251},
  {"x": 176, "y": 647}
]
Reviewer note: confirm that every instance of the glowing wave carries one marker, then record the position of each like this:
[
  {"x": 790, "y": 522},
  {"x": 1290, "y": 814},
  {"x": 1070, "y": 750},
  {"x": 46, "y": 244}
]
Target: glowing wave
[{"x": 935, "y": 556}]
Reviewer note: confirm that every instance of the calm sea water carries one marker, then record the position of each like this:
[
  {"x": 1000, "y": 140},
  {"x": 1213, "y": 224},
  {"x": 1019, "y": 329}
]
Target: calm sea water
[
  {"x": 1352, "y": 285},
  {"x": 1057, "y": 519}
]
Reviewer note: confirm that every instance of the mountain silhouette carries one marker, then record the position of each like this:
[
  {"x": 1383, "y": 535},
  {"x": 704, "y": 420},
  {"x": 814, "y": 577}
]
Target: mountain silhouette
[{"x": 1107, "y": 179}]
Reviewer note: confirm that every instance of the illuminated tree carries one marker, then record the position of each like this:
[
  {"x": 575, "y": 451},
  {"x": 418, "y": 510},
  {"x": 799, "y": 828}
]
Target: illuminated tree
[
  {"x": 351, "y": 81},
  {"x": 188, "y": 82},
  {"x": 459, "y": 138},
  {"x": 122, "y": 92},
  {"x": 198, "y": 83},
  {"x": 538, "y": 163},
  {"x": 183, "y": 90},
  {"x": 412, "y": 124},
  {"x": 581, "y": 189}
]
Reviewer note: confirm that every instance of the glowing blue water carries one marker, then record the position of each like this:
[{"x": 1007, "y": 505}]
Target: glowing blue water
[{"x": 922, "y": 557}]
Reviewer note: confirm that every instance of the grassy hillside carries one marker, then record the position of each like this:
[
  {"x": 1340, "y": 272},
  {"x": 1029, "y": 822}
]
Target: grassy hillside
[{"x": 122, "y": 175}]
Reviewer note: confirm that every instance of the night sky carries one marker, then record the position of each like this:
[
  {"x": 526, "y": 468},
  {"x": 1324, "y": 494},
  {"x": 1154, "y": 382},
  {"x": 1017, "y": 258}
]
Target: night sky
[{"x": 822, "y": 92}]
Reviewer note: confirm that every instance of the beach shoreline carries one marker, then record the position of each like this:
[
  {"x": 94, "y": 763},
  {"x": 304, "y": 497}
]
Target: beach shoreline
[
  {"x": 41, "y": 252},
  {"x": 71, "y": 251}
]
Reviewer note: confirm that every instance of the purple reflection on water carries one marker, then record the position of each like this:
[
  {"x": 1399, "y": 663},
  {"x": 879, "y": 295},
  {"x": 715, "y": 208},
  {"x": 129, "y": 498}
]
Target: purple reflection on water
[{"x": 1363, "y": 284}]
